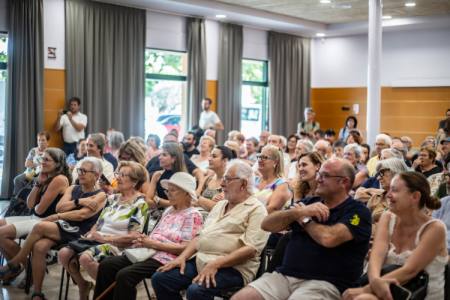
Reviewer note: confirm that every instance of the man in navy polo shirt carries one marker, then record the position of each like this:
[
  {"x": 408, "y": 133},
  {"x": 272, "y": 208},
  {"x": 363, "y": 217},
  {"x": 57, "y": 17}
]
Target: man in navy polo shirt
[{"x": 330, "y": 238}]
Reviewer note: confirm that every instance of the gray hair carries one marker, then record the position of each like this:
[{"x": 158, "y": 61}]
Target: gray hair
[
  {"x": 307, "y": 145},
  {"x": 116, "y": 139},
  {"x": 283, "y": 140},
  {"x": 394, "y": 164},
  {"x": 243, "y": 171},
  {"x": 309, "y": 109},
  {"x": 395, "y": 153},
  {"x": 322, "y": 141},
  {"x": 387, "y": 139},
  {"x": 355, "y": 147},
  {"x": 99, "y": 140},
  {"x": 408, "y": 139},
  {"x": 404, "y": 147},
  {"x": 254, "y": 141},
  {"x": 96, "y": 164}
]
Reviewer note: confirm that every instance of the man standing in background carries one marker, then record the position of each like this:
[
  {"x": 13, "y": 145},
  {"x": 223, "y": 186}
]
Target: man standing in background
[
  {"x": 309, "y": 126},
  {"x": 72, "y": 123},
  {"x": 208, "y": 118}
]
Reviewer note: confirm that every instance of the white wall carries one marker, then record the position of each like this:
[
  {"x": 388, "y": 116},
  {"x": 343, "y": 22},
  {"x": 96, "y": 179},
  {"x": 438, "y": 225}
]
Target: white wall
[
  {"x": 212, "y": 49},
  {"x": 54, "y": 33},
  {"x": 3, "y": 15},
  {"x": 418, "y": 54},
  {"x": 166, "y": 31},
  {"x": 256, "y": 44}
]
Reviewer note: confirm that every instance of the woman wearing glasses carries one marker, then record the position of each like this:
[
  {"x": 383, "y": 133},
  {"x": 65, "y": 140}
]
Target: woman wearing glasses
[
  {"x": 76, "y": 213},
  {"x": 352, "y": 153},
  {"x": 120, "y": 222},
  {"x": 179, "y": 224},
  {"x": 51, "y": 184},
  {"x": 172, "y": 161},
  {"x": 426, "y": 162}
]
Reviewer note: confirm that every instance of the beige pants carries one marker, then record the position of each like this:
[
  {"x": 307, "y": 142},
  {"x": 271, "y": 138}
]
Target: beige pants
[{"x": 275, "y": 286}]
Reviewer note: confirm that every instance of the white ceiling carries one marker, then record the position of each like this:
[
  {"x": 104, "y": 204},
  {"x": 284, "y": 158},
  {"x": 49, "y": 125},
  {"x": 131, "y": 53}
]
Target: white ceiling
[{"x": 267, "y": 20}]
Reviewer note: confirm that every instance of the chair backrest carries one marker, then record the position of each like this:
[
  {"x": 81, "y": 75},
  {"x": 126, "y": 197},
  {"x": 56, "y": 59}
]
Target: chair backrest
[
  {"x": 23, "y": 194},
  {"x": 447, "y": 282},
  {"x": 263, "y": 265},
  {"x": 144, "y": 230}
]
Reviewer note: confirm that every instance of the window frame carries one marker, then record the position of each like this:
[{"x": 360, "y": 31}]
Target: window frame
[
  {"x": 154, "y": 76},
  {"x": 3, "y": 65},
  {"x": 265, "y": 85}
]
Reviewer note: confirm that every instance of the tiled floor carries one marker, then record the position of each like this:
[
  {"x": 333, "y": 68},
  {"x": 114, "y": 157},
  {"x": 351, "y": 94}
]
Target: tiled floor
[{"x": 51, "y": 287}]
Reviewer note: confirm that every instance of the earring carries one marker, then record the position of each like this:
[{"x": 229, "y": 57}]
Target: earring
[
  {"x": 274, "y": 166},
  {"x": 134, "y": 185},
  {"x": 173, "y": 162},
  {"x": 223, "y": 165}
]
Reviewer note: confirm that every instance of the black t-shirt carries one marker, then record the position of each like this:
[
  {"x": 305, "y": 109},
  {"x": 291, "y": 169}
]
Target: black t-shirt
[
  {"x": 153, "y": 165},
  {"x": 340, "y": 266},
  {"x": 442, "y": 124},
  {"x": 433, "y": 171},
  {"x": 190, "y": 153}
]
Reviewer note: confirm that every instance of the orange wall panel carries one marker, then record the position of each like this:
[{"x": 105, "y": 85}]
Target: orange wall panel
[
  {"x": 54, "y": 100},
  {"x": 414, "y": 111},
  {"x": 211, "y": 93}
]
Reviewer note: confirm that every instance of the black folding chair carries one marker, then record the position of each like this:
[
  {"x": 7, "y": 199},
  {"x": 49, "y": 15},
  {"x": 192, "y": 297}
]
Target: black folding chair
[{"x": 447, "y": 282}]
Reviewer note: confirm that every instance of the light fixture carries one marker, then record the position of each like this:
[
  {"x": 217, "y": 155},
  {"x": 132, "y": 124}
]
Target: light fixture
[
  {"x": 410, "y": 4},
  {"x": 220, "y": 16},
  {"x": 386, "y": 17},
  {"x": 320, "y": 34},
  {"x": 341, "y": 6},
  {"x": 325, "y": 1}
]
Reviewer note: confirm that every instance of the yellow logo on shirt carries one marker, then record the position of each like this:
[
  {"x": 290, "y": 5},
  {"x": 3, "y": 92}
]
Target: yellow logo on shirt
[{"x": 355, "y": 220}]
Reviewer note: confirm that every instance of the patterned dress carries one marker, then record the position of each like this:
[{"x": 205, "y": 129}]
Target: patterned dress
[
  {"x": 176, "y": 228},
  {"x": 118, "y": 219},
  {"x": 35, "y": 156},
  {"x": 265, "y": 194}
]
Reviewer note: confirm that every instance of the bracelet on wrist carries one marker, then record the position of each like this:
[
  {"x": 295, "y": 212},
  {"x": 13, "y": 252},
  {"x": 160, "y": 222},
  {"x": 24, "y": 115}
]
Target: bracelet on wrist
[{"x": 38, "y": 185}]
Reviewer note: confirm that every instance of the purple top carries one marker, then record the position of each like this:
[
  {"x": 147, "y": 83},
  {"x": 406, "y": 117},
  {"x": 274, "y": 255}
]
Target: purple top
[{"x": 361, "y": 168}]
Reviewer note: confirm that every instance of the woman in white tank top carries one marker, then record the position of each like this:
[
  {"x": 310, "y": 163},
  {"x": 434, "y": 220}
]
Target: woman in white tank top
[{"x": 406, "y": 237}]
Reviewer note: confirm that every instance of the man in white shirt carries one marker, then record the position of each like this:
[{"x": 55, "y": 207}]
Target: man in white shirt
[
  {"x": 95, "y": 145},
  {"x": 208, "y": 118},
  {"x": 72, "y": 123}
]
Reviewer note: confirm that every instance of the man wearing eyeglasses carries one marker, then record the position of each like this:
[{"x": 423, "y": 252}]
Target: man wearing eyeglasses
[
  {"x": 225, "y": 253},
  {"x": 383, "y": 142},
  {"x": 263, "y": 138},
  {"x": 95, "y": 145},
  {"x": 330, "y": 238},
  {"x": 403, "y": 150}
]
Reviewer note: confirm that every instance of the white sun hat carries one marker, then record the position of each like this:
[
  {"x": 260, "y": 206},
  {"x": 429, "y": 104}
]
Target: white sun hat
[{"x": 184, "y": 181}]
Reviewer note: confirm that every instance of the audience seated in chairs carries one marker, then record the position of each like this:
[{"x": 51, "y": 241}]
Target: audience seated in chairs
[
  {"x": 252, "y": 151},
  {"x": 426, "y": 162},
  {"x": 77, "y": 212},
  {"x": 153, "y": 143},
  {"x": 338, "y": 149},
  {"x": 303, "y": 146},
  {"x": 51, "y": 184},
  {"x": 403, "y": 149},
  {"x": 115, "y": 142},
  {"x": 226, "y": 249},
  {"x": 274, "y": 140},
  {"x": 32, "y": 162},
  {"x": 353, "y": 138},
  {"x": 210, "y": 191},
  {"x": 153, "y": 165},
  {"x": 330, "y": 233},
  {"x": 365, "y": 153},
  {"x": 383, "y": 141},
  {"x": 321, "y": 147},
  {"x": 202, "y": 160},
  {"x": 352, "y": 153},
  {"x": 81, "y": 153},
  {"x": 178, "y": 226},
  {"x": 405, "y": 236},
  {"x": 440, "y": 183},
  {"x": 120, "y": 223},
  {"x": 291, "y": 145}
]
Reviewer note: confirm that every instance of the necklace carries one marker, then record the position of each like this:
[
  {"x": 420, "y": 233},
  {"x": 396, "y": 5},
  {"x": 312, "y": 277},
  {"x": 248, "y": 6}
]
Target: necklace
[{"x": 122, "y": 199}]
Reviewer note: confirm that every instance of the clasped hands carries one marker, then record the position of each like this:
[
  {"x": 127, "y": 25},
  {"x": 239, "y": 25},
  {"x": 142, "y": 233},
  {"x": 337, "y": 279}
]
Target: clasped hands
[{"x": 318, "y": 210}]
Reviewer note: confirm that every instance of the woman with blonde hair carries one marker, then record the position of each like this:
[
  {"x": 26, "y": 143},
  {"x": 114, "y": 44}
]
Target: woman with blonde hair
[
  {"x": 172, "y": 161},
  {"x": 207, "y": 144},
  {"x": 233, "y": 146},
  {"x": 140, "y": 141}
]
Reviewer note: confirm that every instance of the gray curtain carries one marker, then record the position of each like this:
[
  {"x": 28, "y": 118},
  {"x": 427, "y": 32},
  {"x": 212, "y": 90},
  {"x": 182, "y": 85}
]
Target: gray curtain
[
  {"x": 231, "y": 47},
  {"x": 25, "y": 95},
  {"x": 105, "y": 65},
  {"x": 196, "y": 71},
  {"x": 289, "y": 81}
]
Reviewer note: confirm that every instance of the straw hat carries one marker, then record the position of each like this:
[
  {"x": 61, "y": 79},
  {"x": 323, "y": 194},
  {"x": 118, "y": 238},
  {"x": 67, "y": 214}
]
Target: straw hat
[{"x": 184, "y": 181}]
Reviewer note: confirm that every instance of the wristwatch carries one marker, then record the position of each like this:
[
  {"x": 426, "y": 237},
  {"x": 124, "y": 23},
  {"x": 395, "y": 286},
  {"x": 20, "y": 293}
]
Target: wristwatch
[
  {"x": 76, "y": 202},
  {"x": 211, "y": 127},
  {"x": 306, "y": 221},
  {"x": 157, "y": 201}
]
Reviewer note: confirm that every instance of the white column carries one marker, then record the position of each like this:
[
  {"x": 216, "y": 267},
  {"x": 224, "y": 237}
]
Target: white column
[{"x": 374, "y": 72}]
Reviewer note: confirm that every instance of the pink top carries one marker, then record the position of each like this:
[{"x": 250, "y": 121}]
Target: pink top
[
  {"x": 149, "y": 155},
  {"x": 176, "y": 228}
]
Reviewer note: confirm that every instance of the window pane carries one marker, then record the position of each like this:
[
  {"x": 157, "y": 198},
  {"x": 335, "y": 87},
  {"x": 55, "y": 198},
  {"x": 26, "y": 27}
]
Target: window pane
[
  {"x": 3, "y": 59},
  {"x": 165, "y": 62},
  {"x": 163, "y": 106},
  {"x": 253, "y": 70},
  {"x": 251, "y": 113}
]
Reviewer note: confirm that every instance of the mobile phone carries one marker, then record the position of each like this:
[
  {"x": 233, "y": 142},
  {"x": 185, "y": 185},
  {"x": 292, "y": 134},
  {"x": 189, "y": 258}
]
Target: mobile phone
[
  {"x": 103, "y": 177},
  {"x": 399, "y": 292},
  {"x": 65, "y": 112}
]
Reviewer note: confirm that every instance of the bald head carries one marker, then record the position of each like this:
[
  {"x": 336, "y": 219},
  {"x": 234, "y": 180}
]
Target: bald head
[
  {"x": 274, "y": 140},
  {"x": 402, "y": 148},
  {"x": 340, "y": 167}
]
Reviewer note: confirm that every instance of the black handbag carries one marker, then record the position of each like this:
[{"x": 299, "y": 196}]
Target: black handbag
[
  {"x": 418, "y": 286},
  {"x": 81, "y": 245},
  {"x": 18, "y": 207}
]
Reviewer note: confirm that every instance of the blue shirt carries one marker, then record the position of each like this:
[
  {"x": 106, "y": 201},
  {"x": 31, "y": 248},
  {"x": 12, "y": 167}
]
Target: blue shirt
[
  {"x": 72, "y": 159},
  {"x": 370, "y": 183},
  {"x": 443, "y": 214},
  {"x": 341, "y": 265},
  {"x": 110, "y": 158}
]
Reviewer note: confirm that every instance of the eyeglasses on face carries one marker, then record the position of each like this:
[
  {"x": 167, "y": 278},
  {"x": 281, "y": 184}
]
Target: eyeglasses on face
[
  {"x": 422, "y": 155},
  {"x": 121, "y": 174},
  {"x": 126, "y": 158},
  {"x": 228, "y": 180},
  {"x": 172, "y": 192},
  {"x": 378, "y": 145},
  {"x": 348, "y": 154},
  {"x": 46, "y": 159},
  {"x": 264, "y": 157},
  {"x": 382, "y": 172},
  {"x": 325, "y": 176},
  {"x": 83, "y": 171}
]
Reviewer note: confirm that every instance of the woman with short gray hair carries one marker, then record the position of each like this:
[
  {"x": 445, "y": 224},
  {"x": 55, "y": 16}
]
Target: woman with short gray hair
[
  {"x": 378, "y": 204},
  {"x": 115, "y": 140},
  {"x": 352, "y": 153}
]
